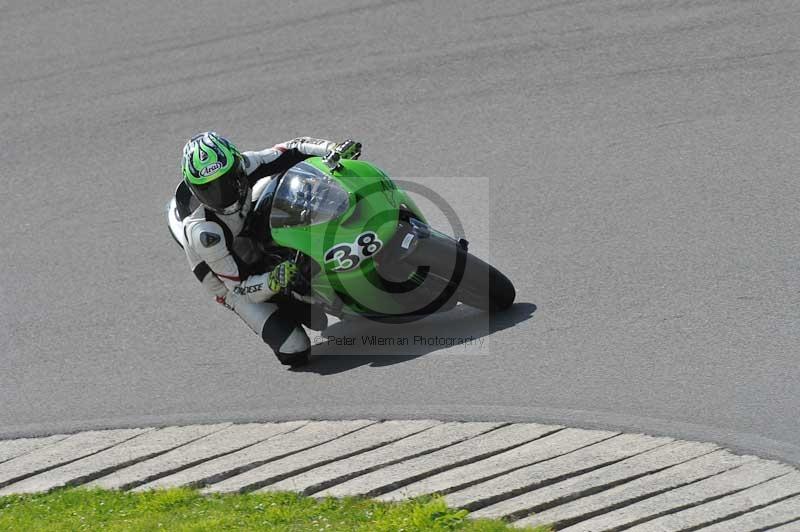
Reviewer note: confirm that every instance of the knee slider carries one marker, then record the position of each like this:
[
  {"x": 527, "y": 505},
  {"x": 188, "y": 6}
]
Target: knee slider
[
  {"x": 294, "y": 359},
  {"x": 283, "y": 334}
]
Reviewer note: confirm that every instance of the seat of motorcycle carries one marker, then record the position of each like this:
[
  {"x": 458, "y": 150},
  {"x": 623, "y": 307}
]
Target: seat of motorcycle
[{"x": 185, "y": 201}]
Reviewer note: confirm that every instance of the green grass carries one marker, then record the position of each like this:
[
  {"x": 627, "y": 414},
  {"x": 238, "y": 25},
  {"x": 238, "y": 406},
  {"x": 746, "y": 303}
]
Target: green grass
[{"x": 185, "y": 510}]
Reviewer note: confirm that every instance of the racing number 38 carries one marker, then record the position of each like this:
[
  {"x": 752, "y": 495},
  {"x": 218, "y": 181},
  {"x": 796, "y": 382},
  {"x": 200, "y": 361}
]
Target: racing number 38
[{"x": 349, "y": 256}]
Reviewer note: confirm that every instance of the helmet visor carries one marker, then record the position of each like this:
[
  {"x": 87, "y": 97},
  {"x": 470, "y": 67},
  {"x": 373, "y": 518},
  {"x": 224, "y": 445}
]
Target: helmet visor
[{"x": 222, "y": 192}]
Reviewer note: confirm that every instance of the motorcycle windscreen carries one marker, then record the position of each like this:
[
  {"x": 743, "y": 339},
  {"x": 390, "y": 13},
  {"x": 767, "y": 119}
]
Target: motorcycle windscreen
[{"x": 306, "y": 196}]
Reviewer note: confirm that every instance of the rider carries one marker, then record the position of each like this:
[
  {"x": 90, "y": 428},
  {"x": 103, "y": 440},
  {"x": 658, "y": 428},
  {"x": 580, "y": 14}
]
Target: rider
[{"x": 223, "y": 180}]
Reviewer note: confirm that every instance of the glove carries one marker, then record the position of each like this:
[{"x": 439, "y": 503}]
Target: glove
[
  {"x": 283, "y": 276},
  {"x": 348, "y": 149}
]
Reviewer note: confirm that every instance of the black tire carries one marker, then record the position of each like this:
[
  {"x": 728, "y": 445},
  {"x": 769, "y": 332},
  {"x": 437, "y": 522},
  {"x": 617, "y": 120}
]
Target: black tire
[
  {"x": 484, "y": 287},
  {"x": 467, "y": 278}
]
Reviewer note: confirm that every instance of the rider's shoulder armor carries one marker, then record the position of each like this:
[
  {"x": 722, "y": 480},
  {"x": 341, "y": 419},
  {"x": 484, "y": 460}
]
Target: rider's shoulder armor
[{"x": 206, "y": 238}]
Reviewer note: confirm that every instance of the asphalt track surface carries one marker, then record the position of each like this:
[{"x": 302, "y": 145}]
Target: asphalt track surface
[{"x": 636, "y": 167}]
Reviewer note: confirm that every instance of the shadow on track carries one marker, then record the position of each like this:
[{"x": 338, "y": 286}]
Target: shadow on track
[{"x": 347, "y": 345}]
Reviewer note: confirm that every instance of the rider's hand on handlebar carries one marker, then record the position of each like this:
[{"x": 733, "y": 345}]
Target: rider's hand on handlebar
[{"x": 283, "y": 277}]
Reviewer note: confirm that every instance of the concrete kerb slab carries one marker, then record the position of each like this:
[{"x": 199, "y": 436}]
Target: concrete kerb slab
[{"x": 526, "y": 473}]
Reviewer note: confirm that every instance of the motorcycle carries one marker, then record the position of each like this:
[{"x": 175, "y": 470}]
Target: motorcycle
[{"x": 362, "y": 245}]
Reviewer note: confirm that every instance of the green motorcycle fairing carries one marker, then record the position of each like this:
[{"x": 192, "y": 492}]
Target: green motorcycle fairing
[{"x": 341, "y": 219}]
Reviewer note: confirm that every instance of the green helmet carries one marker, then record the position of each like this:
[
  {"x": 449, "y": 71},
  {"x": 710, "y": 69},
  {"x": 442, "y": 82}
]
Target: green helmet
[{"x": 213, "y": 170}]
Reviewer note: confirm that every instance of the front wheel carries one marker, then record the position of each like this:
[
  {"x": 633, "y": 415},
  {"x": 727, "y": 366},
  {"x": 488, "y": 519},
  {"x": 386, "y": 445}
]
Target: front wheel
[
  {"x": 484, "y": 287},
  {"x": 467, "y": 278}
]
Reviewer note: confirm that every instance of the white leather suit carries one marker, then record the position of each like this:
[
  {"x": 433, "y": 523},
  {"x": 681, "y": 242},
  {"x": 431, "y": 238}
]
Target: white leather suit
[{"x": 219, "y": 258}]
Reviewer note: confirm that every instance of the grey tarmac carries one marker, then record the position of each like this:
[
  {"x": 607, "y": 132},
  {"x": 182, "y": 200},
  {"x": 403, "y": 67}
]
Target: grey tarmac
[
  {"x": 636, "y": 167},
  {"x": 635, "y": 170}
]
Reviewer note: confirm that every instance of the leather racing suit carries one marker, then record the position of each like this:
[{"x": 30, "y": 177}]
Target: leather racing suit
[{"x": 219, "y": 258}]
